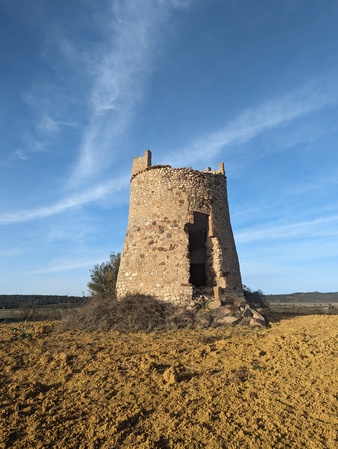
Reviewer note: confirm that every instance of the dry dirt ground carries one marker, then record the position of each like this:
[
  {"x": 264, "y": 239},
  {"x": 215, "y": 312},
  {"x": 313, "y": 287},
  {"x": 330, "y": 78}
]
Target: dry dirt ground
[{"x": 215, "y": 388}]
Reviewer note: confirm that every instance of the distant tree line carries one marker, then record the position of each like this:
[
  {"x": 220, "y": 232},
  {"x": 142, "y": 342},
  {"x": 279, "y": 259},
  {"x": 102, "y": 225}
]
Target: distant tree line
[
  {"x": 21, "y": 301},
  {"x": 299, "y": 297}
]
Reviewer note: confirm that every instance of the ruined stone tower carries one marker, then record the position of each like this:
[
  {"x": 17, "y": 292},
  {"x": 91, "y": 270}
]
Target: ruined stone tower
[{"x": 179, "y": 242}]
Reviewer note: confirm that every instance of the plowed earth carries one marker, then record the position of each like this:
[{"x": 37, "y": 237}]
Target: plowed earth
[{"x": 216, "y": 388}]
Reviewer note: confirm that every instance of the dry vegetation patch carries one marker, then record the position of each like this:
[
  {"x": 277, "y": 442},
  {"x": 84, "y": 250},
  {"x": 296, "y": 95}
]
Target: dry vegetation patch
[{"x": 199, "y": 388}]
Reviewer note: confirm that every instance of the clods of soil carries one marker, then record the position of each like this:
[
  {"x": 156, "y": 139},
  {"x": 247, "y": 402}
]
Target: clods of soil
[{"x": 228, "y": 387}]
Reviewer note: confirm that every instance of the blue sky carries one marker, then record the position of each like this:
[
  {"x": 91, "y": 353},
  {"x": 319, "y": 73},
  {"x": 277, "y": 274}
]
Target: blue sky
[{"x": 86, "y": 86}]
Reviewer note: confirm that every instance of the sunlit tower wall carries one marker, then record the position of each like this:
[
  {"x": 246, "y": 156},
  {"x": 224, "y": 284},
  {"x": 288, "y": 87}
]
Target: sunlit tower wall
[{"x": 179, "y": 242}]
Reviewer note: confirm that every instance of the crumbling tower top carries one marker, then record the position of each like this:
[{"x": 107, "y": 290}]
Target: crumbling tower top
[{"x": 141, "y": 163}]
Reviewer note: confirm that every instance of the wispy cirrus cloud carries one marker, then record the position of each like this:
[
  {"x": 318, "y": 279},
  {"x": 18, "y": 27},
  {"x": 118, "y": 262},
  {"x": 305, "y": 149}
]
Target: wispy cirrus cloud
[
  {"x": 49, "y": 125},
  {"x": 19, "y": 154},
  {"x": 66, "y": 266},
  {"x": 119, "y": 72},
  {"x": 93, "y": 194},
  {"x": 109, "y": 84},
  {"x": 320, "y": 227},
  {"x": 272, "y": 114},
  {"x": 323, "y": 182}
]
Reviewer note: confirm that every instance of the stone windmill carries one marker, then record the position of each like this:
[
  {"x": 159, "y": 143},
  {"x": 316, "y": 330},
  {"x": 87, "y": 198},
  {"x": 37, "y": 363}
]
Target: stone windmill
[{"x": 179, "y": 242}]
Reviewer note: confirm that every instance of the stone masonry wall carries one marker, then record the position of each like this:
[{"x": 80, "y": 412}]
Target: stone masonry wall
[{"x": 164, "y": 203}]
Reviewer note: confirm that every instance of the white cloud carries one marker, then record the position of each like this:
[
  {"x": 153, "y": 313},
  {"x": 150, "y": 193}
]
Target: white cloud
[
  {"x": 115, "y": 71},
  {"x": 48, "y": 125},
  {"x": 88, "y": 196},
  {"x": 321, "y": 227},
  {"x": 65, "y": 266},
  {"x": 19, "y": 154},
  {"x": 323, "y": 181},
  {"x": 119, "y": 71},
  {"x": 272, "y": 114}
]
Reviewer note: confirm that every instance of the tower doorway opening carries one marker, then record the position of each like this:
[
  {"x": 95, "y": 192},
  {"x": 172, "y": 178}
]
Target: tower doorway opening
[{"x": 198, "y": 232}]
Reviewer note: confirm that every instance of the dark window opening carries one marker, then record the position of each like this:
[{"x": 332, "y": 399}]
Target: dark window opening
[
  {"x": 197, "y": 274},
  {"x": 197, "y": 249}
]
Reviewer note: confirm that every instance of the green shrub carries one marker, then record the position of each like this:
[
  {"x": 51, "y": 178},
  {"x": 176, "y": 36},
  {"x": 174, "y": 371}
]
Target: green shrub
[{"x": 103, "y": 277}]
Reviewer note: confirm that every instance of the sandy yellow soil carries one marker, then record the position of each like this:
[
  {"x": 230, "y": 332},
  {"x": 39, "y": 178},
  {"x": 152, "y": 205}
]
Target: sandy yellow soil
[{"x": 216, "y": 388}]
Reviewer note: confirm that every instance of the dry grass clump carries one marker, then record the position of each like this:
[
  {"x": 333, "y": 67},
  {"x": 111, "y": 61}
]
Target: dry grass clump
[
  {"x": 139, "y": 312},
  {"x": 134, "y": 312},
  {"x": 255, "y": 299}
]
